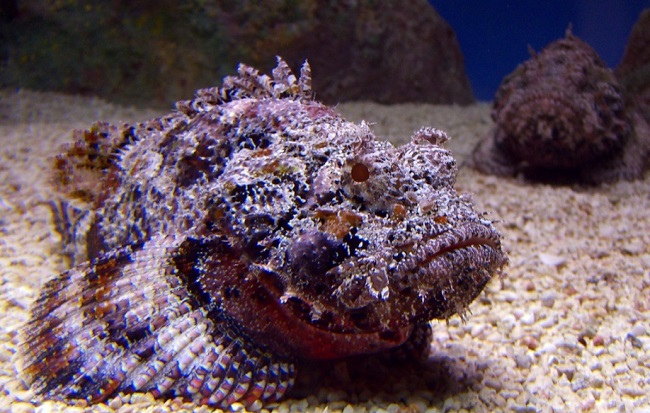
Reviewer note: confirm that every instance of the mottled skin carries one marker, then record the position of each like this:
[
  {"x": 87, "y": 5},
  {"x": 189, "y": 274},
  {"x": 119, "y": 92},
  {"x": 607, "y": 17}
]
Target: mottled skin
[
  {"x": 562, "y": 116},
  {"x": 251, "y": 228}
]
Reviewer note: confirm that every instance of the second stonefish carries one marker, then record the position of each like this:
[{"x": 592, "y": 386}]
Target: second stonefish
[
  {"x": 252, "y": 228},
  {"x": 562, "y": 116}
]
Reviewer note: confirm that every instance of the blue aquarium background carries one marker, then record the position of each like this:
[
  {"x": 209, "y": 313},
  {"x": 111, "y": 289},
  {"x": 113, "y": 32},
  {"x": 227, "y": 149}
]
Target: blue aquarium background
[{"x": 494, "y": 35}]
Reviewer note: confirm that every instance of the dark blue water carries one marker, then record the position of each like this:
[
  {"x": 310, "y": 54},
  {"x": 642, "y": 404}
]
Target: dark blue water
[{"x": 494, "y": 35}]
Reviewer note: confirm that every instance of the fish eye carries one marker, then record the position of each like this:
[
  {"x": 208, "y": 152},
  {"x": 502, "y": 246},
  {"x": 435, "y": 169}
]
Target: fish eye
[{"x": 360, "y": 172}]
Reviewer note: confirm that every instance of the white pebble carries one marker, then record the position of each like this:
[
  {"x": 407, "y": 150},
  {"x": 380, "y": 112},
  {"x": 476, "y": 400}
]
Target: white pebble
[
  {"x": 523, "y": 361},
  {"x": 551, "y": 260},
  {"x": 633, "y": 391},
  {"x": 527, "y": 319},
  {"x": 621, "y": 369},
  {"x": 477, "y": 329},
  {"x": 639, "y": 330},
  {"x": 549, "y": 348},
  {"x": 549, "y": 321},
  {"x": 510, "y": 296},
  {"x": 548, "y": 298},
  {"x": 507, "y": 323}
]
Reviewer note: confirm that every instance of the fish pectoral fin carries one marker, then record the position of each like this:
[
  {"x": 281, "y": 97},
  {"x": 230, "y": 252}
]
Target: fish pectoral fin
[{"x": 125, "y": 322}]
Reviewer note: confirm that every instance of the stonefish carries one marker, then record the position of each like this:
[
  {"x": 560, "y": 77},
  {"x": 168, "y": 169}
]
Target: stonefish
[
  {"x": 562, "y": 116},
  {"x": 252, "y": 228}
]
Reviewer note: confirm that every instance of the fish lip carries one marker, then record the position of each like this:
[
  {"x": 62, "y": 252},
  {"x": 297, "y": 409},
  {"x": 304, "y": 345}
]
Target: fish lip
[
  {"x": 452, "y": 239},
  {"x": 452, "y": 267},
  {"x": 458, "y": 261}
]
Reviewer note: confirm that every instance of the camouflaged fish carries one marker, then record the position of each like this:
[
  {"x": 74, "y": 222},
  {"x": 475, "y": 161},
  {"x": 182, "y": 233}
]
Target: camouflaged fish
[
  {"x": 562, "y": 116},
  {"x": 250, "y": 229}
]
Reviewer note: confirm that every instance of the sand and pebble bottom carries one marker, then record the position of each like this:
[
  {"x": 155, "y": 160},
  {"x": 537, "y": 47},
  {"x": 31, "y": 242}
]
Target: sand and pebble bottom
[{"x": 565, "y": 329}]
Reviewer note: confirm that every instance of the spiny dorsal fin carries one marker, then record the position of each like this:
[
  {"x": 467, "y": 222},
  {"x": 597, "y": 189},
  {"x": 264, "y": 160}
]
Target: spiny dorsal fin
[
  {"x": 568, "y": 33},
  {"x": 250, "y": 84},
  {"x": 531, "y": 51},
  {"x": 304, "y": 82},
  {"x": 284, "y": 80}
]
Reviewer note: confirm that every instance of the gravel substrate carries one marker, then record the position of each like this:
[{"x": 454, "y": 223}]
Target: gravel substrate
[{"x": 566, "y": 329}]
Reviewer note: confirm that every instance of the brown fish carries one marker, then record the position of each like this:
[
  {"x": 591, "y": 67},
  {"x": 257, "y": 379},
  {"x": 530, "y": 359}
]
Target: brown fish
[
  {"x": 251, "y": 228},
  {"x": 562, "y": 116}
]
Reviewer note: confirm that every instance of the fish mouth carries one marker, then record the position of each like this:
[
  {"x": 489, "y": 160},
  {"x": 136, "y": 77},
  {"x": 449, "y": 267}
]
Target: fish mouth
[
  {"x": 444, "y": 272},
  {"x": 454, "y": 239},
  {"x": 451, "y": 268},
  {"x": 435, "y": 276}
]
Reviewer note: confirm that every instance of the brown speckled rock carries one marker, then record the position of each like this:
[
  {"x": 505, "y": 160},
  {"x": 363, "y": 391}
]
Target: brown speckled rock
[
  {"x": 156, "y": 52},
  {"x": 388, "y": 51}
]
